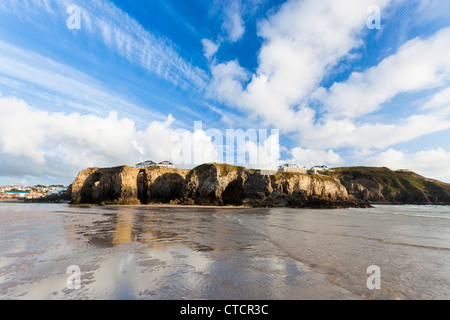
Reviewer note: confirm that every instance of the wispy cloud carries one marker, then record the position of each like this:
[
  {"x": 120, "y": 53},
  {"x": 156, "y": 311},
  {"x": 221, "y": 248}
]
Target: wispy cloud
[
  {"x": 102, "y": 20},
  {"x": 128, "y": 38},
  {"x": 65, "y": 84}
]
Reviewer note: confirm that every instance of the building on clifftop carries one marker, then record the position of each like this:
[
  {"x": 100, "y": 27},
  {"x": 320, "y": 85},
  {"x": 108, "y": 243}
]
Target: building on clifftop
[
  {"x": 318, "y": 169},
  {"x": 146, "y": 164},
  {"x": 166, "y": 164},
  {"x": 149, "y": 163},
  {"x": 292, "y": 168}
]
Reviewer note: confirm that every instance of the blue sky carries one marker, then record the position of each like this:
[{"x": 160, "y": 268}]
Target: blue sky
[{"x": 118, "y": 89}]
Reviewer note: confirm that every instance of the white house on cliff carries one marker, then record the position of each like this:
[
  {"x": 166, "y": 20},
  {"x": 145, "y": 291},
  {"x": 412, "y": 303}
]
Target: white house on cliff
[{"x": 149, "y": 163}]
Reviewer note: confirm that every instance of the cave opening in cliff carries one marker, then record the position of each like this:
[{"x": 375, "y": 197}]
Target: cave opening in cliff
[
  {"x": 88, "y": 187},
  {"x": 233, "y": 194},
  {"x": 142, "y": 187}
]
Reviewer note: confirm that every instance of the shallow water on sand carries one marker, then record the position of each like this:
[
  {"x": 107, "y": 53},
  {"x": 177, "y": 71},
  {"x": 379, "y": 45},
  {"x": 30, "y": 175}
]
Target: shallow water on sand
[{"x": 151, "y": 252}]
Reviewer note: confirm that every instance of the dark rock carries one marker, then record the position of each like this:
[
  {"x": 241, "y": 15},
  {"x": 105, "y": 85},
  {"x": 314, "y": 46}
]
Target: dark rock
[{"x": 221, "y": 184}]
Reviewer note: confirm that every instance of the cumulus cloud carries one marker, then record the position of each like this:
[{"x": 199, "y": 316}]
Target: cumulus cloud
[
  {"x": 209, "y": 48},
  {"x": 302, "y": 41},
  {"x": 345, "y": 133},
  {"x": 419, "y": 64},
  {"x": 313, "y": 157},
  {"x": 429, "y": 163},
  {"x": 233, "y": 25},
  {"x": 195, "y": 148},
  {"x": 226, "y": 80},
  {"x": 39, "y": 143},
  {"x": 264, "y": 155}
]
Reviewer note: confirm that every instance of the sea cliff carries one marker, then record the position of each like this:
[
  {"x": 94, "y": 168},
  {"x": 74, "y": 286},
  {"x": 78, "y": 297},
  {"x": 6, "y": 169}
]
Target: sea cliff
[
  {"x": 384, "y": 186},
  {"x": 208, "y": 184},
  {"x": 222, "y": 184}
]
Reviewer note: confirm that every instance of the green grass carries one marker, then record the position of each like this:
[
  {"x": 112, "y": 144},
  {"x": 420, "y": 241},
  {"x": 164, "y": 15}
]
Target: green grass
[
  {"x": 228, "y": 168},
  {"x": 224, "y": 168},
  {"x": 287, "y": 175},
  {"x": 395, "y": 181}
]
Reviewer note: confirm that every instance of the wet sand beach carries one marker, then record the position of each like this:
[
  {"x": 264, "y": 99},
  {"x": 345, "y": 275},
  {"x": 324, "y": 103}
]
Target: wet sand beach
[{"x": 177, "y": 252}]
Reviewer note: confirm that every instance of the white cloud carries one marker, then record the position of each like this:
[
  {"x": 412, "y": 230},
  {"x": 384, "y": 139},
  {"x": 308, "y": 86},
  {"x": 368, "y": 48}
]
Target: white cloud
[
  {"x": 429, "y": 163},
  {"x": 233, "y": 24},
  {"x": 265, "y": 154},
  {"x": 227, "y": 79},
  {"x": 302, "y": 41},
  {"x": 194, "y": 148},
  {"x": 209, "y": 48},
  {"x": 431, "y": 11},
  {"x": 418, "y": 65},
  {"x": 345, "y": 133},
  {"x": 313, "y": 157},
  {"x": 68, "y": 84},
  {"x": 38, "y": 143},
  {"x": 440, "y": 102},
  {"x": 124, "y": 35}
]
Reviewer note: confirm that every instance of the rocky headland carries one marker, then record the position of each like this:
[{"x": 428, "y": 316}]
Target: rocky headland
[
  {"x": 222, "y": 185},
  {"x": 384, "y": 186}
]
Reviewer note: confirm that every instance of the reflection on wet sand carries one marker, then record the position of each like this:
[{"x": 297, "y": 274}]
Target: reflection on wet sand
[
  {"x": 124, "y": 228},
  {"x": 195, "y": 253},
  {"x": 128, "y": 252},
  {"x": 127, "y": 226}
]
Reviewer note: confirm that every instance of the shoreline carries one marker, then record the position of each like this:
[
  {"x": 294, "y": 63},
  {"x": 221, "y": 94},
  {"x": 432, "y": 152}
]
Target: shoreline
[
  {"x": 195, "y": 206},
  {"x": 12, "y": 201},
  {"x": 199, "y": 206},
  {"x": 164, "y": 205}
]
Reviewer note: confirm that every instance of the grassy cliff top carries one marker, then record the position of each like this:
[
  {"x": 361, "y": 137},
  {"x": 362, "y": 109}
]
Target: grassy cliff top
[
  {"x": 280, "y": 175},
  {"x": 394, "y": 180},
  {"x": 361, "y": 172},
  {"x": 222, "y": 167}
]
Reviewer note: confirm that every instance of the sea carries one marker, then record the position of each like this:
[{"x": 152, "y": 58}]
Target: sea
[{"x": 65, "y": 252}]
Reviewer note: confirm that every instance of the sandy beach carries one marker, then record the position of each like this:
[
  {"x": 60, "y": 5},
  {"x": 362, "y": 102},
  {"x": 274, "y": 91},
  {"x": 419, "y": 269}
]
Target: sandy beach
[{"x": 179, "y": 252}]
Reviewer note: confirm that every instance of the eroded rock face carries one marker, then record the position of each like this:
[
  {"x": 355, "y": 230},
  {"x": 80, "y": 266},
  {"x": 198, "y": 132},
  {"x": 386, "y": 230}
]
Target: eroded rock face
[
  {"x": 109, "y": 185},
  {"x": 126, "y": 185},
  {"x": 312, "y": 185},
  {"x": 384, "y": 186},
  {"x": 206, "y": 184},
  {"x": 211, "y": 184},
  {"x": 221, "y": 184},
  {"x": 163, "y": 184}
]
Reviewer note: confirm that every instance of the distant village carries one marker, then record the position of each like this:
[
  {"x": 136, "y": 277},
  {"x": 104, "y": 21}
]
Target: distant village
[{"x": 29, "y": 193}]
